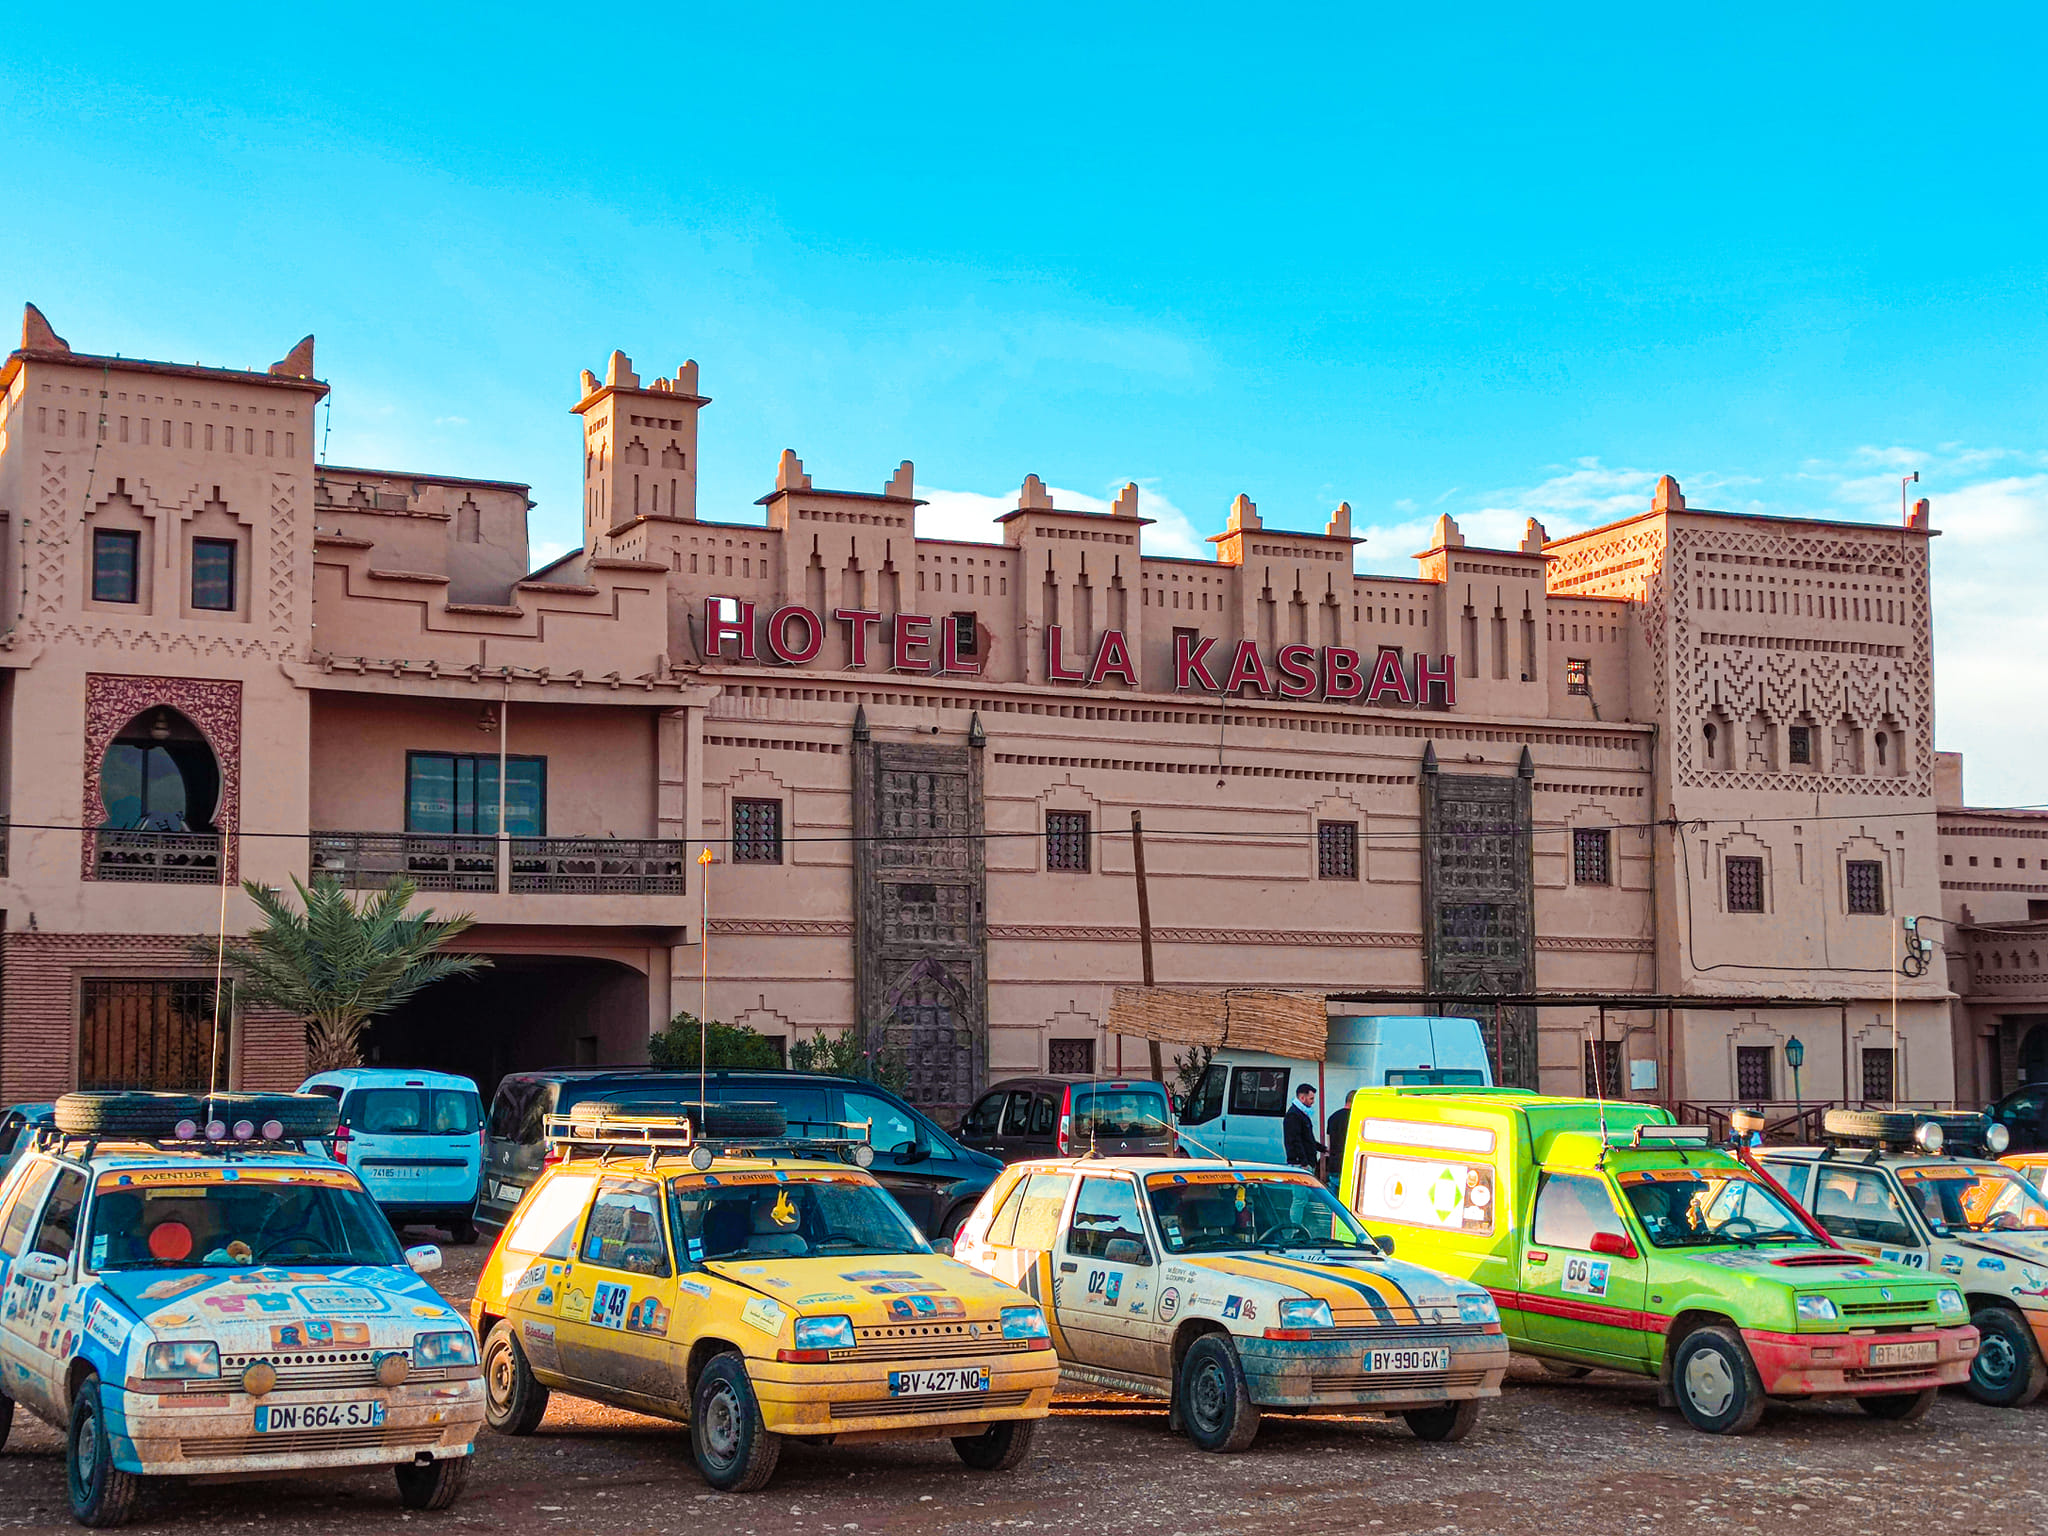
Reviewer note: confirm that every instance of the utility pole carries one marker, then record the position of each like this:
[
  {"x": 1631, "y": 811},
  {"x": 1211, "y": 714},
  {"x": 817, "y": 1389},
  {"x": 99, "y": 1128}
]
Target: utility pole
[{"x": 1145, "y": 928}]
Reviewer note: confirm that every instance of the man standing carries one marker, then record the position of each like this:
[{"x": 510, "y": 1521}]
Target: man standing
[{"x": 1303, "y": 1149}]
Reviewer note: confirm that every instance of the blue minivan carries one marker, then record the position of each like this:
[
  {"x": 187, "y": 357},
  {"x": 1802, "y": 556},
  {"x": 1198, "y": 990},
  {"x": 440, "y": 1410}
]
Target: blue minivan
[{"x": 414, "y": 1138}]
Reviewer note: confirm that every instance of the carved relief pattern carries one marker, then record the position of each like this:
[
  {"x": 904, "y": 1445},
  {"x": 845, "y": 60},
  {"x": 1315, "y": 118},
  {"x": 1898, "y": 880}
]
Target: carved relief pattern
[
  {"x": 213, "y": 706},
  {"x": 1478, "y": 883},
  {"x": 283, "y": 554},
  {"x": 52, "y": 536}
]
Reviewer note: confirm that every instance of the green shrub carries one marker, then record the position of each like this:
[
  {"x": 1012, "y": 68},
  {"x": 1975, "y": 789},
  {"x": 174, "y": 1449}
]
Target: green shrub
[
  {"x": 842, "y": 1054},
  {"x": 725, "y": 1045}
]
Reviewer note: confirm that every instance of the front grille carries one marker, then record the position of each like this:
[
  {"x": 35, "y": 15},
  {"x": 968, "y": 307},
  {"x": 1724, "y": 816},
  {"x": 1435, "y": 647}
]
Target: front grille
[
  {"x": 938, "y": 1402},
  {"x": 1884, "y": 1308},
  {"x": 339, "y": 1371},
  {"x": 1889, "y": 1372},
  {"x": 932, "y": 1341},
  {"x": 309, "y": 1440},
  {"x": 1389, "y": 1381}
]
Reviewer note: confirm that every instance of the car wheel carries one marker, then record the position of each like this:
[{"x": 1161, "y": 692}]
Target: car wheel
[
  {"x": 1447, "y": 1422},
  {"x": 462, "y": 1234},
  {"x": 433, "y": 1486},
  {"x": 514, "y": 1403},
  {"x": 1000, "y": 1447},
  {"x": 1216, "y": 1405},
  {"x": 6, "y": 1419},
  {"x": 101, "y": 1493},
  {"x": 1899, "y": 1407},
  {"x": 1716, "y": 1382},
  {"x": 736, "y": 1452},
  {"x": 1566, "y": 1369},
  {"x": 2008, "y": 1370}
]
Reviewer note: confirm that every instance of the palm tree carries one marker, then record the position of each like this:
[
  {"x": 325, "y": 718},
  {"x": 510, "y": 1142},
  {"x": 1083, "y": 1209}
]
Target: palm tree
[{"x": 337, "y": 965}]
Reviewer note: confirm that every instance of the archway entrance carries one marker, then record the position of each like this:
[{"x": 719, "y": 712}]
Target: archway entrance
[
  {"x": 2034, "y": 1054},
  {"x": 160, "y": 790}
]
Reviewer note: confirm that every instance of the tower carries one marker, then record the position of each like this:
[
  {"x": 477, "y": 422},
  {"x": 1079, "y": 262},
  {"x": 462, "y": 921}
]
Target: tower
[{"x": 639, "y": 448}]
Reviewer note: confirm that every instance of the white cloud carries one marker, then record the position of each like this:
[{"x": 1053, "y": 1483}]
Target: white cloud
[
  {"x": 971, "y": 516},
  {"x": 546, "y": 552}
]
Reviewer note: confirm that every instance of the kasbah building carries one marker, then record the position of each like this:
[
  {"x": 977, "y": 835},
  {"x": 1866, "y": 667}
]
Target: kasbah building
[{"x": 1688, "y": 755}]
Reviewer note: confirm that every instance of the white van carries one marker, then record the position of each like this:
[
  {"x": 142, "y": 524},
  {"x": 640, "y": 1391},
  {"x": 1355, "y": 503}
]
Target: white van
[{"x": 1236, "y": 1109}]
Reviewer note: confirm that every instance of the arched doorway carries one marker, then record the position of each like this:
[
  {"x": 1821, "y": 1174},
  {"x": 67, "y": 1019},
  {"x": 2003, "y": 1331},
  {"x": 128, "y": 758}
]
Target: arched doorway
[
  {"x": 2034, "y": 1055},
  {"x": 160, "y": 797}
]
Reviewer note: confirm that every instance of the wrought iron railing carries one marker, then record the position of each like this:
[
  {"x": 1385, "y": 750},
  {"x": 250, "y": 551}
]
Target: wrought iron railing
[
  {"x": 367, "y": 861},
  {"x": 160, "y": 858},
  {"x": 593, "y": 865}
]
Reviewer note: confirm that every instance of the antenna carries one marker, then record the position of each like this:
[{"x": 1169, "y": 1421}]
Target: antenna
[
  {"x": 1906, "y": 496},
  {"x": 1599, "y": 1086}
]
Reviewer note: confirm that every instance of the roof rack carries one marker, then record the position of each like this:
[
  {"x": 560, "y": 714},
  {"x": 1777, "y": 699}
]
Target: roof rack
[
  {"x": 1662, "y": 1135},
  {"x": 655, "y": 1135}
]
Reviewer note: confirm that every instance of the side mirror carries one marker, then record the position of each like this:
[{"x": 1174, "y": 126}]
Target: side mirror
[
  {"x": 46, "y": 1267},
  {"x": 1383, "y": 1242},
  {"x": 1180, "y": 1105},
  {"x": 423, "y": 1260},
  {"x": 910, "y": 1152},
  {"x": 1618, "y": 1244},
  {"x": 943, "y": 1245}
]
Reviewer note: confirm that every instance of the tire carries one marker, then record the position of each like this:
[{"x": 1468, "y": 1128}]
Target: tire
[
  {"x": 433, "y": 1486},
  {"x": 1716, "y": 1383},
  {"x": 305, "y": 1116},
  {"x": 1000, "y": 1448},
  {"x": 2008, "y": 1370},
  {"x": 1446, "y": 1423},
  {"x": 1889, "y": 1125},
  {"x": 101, "y": 1493},
  {"x": 462, "y": 1233},
  {"x": 736, "y": 1452},
  {"x": 1899, "y": 1407},
  {"x": 514, "y": 1403},
  {"x": 6, "y": 1419},
  {"x": 1215, "y": 1401},
  {"x": 1566, "y": 1369},
  {"x": 737, "y": 1120}
]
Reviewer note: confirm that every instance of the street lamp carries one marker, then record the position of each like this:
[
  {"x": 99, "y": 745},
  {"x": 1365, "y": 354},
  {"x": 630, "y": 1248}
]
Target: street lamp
[{"x": 1795, "y": 1054}]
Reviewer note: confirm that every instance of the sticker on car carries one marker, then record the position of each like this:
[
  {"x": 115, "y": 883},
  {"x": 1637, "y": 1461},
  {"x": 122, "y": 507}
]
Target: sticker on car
[{"x": 1585, "y": 1277}]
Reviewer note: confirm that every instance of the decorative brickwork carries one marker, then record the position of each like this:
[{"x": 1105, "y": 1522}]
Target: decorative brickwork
[{"x": 215, "y": 707}]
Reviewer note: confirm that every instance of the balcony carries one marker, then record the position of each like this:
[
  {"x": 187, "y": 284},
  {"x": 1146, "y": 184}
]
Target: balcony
[
  {"x": 558, "y": 866},
  {"x": 157, "y": 858}
]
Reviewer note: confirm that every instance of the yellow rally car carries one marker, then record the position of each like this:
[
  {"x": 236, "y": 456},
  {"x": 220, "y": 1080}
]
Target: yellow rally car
[
  {"x": 752, "y": 1289},
  {"x": 1230, "y": 1289}
]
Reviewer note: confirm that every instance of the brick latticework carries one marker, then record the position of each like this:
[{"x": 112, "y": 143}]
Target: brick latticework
[{"x": 39, "y": 976}]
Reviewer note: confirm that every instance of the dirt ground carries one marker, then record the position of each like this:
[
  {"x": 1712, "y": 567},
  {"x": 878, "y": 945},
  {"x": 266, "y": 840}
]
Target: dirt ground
[{"x": 1549, "y": 1458}]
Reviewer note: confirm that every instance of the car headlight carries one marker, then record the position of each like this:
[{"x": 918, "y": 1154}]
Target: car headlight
[
  {"x": 1303, "y": 1312},
  {"x": 1996, "y": 1138},
  {"x": 1024, "y": 1323},
  {"x": 1816, "y": 1309},
  {"x": 1477, "y": 1308},
  {"x": 1928, "y": 1138},
  {"x": 439, "y": 1349},
  {"x": 824, "y": 1333},
  {"x": 181, "y": 1360},
  {"x": 1950, "y": 1301}
]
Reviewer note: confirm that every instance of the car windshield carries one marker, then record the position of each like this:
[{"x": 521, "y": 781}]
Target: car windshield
[
  {"x": 233, "y": 1222},
  {"x": 1695, "y": 1207},
  {"x": 1221, "y": 1212},
  {"x": 765, "y": 1216},
  {"x": 411, "y": 1111},
  {"x": 1974, "y": 1197}
]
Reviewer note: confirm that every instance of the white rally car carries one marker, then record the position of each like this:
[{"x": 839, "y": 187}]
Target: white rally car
[{"x": 186, "y": 1290}]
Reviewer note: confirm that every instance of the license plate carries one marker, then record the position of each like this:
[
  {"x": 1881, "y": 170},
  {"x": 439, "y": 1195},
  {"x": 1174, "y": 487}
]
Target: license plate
[
  {"x": 1409, "y": 1360},
  {"x": 387, "y": 1171},
  {"x": 274, "y": 1418},
  {"x": 1903, "y": 1354},
  {"x": 959, "y": 1378}
]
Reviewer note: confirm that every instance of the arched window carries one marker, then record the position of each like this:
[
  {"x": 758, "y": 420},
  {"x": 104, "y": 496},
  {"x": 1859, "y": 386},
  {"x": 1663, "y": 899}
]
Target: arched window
[{"x": 159, "y": 775}]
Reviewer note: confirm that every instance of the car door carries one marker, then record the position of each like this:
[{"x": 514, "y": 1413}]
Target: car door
[
  {"x": 1577, "y": 1296},
  {"x": 17, "y": 1224},
  {"x": 1252, "y": 1119},
  {"x": 1201, "y": 1118},
  {"x": 618, "y": 1339},
  {"x": 1107, "y": 1276},
  {"x": 982, "y": 1126},
  {"x": 38, "y": 1308},
  {"x": 902, "y": 1151}
]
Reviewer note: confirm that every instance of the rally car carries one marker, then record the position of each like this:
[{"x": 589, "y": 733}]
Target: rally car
[
  {"x": 1229, "y": 1290},
  {"x": 186, "y": 1290},
  {"x": 754, "y": 1289}
]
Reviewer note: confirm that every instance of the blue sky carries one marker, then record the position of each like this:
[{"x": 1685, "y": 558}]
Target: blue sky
[{"x": 1496, "y": 261}]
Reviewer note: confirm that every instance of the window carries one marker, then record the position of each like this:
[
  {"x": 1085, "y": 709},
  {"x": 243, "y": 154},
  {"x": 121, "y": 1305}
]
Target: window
[
  {"x": 1017, "y": 1118},
  {"x": 1882, "y": 742},
  {"x": 891, "y": 1127},
  {"x": 1753, "y": 1073},
  {"x": 624, "y": 1233},
  {"x": 985, "y": 1117},
  {"x": 457, "y": 792},
  {"x": 213, "y": 575},
  {"x": 1570, "y": 1208},
  {"x": 1879, "y": 1077},
  {"x": 757, "y": 831},
  {"x": 411, "y": 1111},
  {"x": 58, "y": 1231},
  {"x": 1337, "y": 850},
  {"x": 134, "y": 1032},
  {"x": 116, "y": 553},
  {"x": 1045, "y": 1115},
  {"x": 1106, "y": 1223},
  {"x": 1866, "y": 885},
  {"x": 1745, "y": 884},
  {"x": 27, "y": 1199},
  {"x": 2037, "y": 910},
  {"x": 1070, "y": 1058},
  {"x": 966, "y": 638},
  {"x": 1259, "y": 1091},
  {"x": 1206, "y": 1102},
  {"x": 1858, "y": 1204},
  {"x": 1002, "y": 1227},
  {"x": 1606, "y": 1054},
  {"x": 1799, "y": 744},
  {"x": 1578, "y": 675},
  {"x": 1038, "y": 1218},
  {"x": 1066, "y": 840},
  {"x": 1589, "y": 856}
]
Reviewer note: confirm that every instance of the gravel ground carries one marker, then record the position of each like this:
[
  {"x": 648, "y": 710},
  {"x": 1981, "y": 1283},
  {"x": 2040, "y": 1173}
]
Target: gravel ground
[{"x": 1594, "y": 1456}]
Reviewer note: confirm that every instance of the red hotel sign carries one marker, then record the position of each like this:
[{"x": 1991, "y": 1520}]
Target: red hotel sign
[{"x": 793, "y": 635}]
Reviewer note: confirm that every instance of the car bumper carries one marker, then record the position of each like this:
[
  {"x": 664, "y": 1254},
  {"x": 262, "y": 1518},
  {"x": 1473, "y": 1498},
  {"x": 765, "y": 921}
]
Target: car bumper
[
  {"x": 1337, "y": 1373},
  {"x": 853, "y": 1397},
  {"x": 1827, "y": 1364},
  {"x": 198, "y": 1434}
]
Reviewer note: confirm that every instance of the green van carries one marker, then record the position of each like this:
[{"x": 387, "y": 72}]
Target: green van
[{"x": 1612, "y": 1237}]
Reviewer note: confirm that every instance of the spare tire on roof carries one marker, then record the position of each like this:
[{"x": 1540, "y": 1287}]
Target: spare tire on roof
[
  {"x": 1887, "y": 1125},
  {"x": 136, "y": 1113}
]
